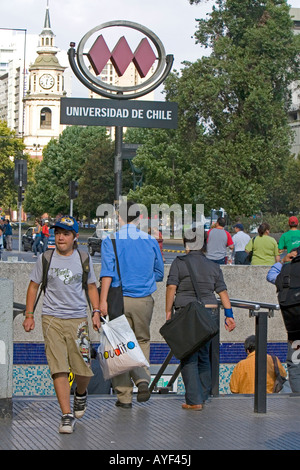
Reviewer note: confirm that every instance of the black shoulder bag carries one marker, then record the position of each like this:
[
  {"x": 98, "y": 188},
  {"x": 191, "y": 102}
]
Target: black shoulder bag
[
  {"x": 250, "y": 254},
  {"x": 115, "y": 302},
  {"x": 191, "y": 327}
]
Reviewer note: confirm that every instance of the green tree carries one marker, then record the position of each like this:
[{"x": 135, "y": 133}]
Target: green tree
[
  {"x": 163, "y": 163},
  {"x": 10, "y": 148},
  {"x": 83, "y": 154},
  {"x": 233, "y": 104}
]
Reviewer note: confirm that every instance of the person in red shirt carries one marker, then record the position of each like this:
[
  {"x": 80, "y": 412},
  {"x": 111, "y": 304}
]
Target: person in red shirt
[
  {"x": 45, "y": 235},
  {"x": 218, "y": 240}
]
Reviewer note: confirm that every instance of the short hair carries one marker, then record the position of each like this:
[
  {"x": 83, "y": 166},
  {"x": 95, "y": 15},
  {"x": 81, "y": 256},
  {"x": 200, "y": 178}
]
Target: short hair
[
  {"x": 193, "y": 239},
  {"x": 129, "y": 211},
  {"x": 221, "y": 221},
  {"x": 249, "y": 343}
]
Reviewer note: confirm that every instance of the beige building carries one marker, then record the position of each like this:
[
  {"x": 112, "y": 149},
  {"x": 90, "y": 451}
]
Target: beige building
[{"x": 42, "y": 100}]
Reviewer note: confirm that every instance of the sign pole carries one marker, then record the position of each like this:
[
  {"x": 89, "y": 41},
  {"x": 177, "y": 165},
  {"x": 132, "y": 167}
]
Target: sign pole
[
  {"x": 126, "y": 111},
  {"x": 118, "y": 162},
  {"x": 20, "y": 217},
  {"x": 71, "y": 207}
]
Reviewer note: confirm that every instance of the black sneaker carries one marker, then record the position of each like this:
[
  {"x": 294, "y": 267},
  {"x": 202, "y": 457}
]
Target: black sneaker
[
  {"x": 67, "y": 424},
  {"x": 123, "y": 405},
  {"x": 143, "y": 392},
  {"x": 79, "y": 405}
]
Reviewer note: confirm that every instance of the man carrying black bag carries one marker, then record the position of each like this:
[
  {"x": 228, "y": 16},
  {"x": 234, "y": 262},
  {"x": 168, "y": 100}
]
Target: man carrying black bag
[
  {"x": 196, "y": 367},
  {"x": 286, "y": 276},
  {"x": 140, "y": 267}
]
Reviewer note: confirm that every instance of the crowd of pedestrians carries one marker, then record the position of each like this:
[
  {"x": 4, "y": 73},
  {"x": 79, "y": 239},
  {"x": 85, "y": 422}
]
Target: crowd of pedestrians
[{"x": 134, "y": 262}]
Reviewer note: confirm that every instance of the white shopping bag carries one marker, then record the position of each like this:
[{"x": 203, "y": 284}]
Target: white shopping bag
[{"x": 119, "y": 350}]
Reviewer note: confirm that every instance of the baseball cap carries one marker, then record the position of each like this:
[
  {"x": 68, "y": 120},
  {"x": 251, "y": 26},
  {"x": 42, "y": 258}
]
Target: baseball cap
[
  {"x": 293, "y": 220},
  {"x": 240, "y": 226},
  {"x": 67, "y": 223}
]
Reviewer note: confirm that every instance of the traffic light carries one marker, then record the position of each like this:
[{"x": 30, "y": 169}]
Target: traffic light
[
  {"x": 20, "y": 174},
  {"x": 21, "y": 194},
  {"x": 73, "y": 189}
]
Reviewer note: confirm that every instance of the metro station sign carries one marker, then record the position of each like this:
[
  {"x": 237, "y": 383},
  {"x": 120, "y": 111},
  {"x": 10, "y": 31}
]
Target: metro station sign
[
  {"x": 147, "y": 53},
  {"x": 103, "y": 112}
]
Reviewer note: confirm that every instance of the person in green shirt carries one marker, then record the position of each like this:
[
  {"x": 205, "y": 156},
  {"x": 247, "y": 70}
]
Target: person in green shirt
[
  {"x": 265, "y": 249},
  {"x": 291, "y": 238}
]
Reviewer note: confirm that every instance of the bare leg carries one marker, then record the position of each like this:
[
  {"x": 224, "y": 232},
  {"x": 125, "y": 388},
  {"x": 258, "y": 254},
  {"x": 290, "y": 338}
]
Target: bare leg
[
  {"x": 81, "y": 383},
  {"x": 62, "y": 390}
]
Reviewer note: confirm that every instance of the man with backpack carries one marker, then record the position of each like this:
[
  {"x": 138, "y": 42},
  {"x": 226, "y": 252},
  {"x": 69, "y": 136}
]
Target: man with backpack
[
  {"x": 66, "y": 280},
  {"x": 286, "y": 276}
]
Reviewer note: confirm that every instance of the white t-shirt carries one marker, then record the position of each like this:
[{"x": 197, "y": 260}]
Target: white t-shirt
[
  {"x": 240, "y": 240},
  {"x": 64, "y": 296}
]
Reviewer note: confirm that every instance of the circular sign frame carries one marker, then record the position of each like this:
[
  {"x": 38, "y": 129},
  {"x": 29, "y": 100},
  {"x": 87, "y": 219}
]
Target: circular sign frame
[{"x": 102, "y": 88}]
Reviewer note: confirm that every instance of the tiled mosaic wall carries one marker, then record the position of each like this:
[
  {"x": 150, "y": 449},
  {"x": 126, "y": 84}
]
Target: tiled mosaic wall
[{"x": 32, "y": 377}]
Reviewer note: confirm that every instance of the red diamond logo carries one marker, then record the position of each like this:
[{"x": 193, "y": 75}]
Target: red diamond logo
[
  {"x": 121, "y": 56},
  {"x": 144, "y": 57},
  {"x": 99, "y": 55}
]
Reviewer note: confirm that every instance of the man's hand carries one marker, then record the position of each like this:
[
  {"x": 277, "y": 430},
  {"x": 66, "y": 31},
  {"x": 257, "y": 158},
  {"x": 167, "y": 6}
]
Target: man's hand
[
  {"x": 229, "y": 324},
  {"x": 28, "y": 324},
  {"x": 168, "y": 315},
  {"x": 289, "y": 256},
  {"x": 96, "y": 321}
]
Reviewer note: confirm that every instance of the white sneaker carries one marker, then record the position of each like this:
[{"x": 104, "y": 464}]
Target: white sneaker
[{"x": 67, "y": 424}]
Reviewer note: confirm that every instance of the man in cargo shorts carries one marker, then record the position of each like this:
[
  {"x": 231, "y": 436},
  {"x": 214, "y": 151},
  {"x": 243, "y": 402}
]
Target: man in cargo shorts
[{"x": 64, "y": 319}]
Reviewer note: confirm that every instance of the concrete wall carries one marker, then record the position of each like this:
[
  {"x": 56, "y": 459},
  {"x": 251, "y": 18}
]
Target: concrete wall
[
  {"x": 243, "y": 282},
  {"x": 6, "y": 347}
]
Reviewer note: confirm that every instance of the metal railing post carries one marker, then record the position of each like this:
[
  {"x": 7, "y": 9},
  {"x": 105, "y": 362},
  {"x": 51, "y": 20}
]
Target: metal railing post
[
  {"x": 261, "y": 331},
  {"x": 261, "y": 336}
]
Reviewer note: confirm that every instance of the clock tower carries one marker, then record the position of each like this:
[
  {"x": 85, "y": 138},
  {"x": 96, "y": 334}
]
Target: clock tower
[{"x": 42, "y": 100}]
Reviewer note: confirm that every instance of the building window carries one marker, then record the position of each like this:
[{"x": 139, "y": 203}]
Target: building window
[{"x": 45, "y": 122}]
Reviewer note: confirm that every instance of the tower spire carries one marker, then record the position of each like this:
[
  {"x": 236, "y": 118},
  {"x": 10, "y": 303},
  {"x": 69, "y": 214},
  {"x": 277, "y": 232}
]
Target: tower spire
[
  {"x": 47, "y": 36},
  {"x": 47, "y": 24}
]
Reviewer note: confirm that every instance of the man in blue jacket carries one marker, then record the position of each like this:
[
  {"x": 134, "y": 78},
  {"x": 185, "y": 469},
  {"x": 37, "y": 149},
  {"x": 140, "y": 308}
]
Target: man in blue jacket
[{"x": 141, "y": 266}]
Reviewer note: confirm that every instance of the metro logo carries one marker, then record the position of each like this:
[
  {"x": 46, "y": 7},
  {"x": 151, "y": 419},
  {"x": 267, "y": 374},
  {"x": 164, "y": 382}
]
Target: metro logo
[{"x": 121, "y": 56}]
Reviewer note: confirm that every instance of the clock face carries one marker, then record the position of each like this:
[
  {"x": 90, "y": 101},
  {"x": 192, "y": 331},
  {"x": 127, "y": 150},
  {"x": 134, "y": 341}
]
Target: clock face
[{"x": 46, "y": 81}]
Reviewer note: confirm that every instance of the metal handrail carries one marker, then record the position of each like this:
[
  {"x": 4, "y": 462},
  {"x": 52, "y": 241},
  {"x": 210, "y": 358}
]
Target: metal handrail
[
  {"x": 250, "y": 305},
  {"x": 261, "y": 311},
  {"x": 18, "y": 309}
]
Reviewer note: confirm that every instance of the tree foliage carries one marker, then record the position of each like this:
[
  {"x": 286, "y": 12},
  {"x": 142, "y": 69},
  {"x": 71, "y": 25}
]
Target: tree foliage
[
  {"x": 83, "y": 154},
  {"x": 10, "y": 148},
  {"x": 233, "y": 137}
]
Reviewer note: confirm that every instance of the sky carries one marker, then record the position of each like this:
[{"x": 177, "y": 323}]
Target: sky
[{"x": 173, "y": 21}]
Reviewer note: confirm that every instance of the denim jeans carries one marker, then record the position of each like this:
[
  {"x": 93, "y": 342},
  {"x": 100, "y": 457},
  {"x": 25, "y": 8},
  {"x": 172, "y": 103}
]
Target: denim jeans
[
  {"x": 219, "y": 261},
  {"x": 293, "y": 367},
  {"x": 196, "y": 373},
  {"x": 45, "y": 244},
  {"x": 37, "y": 247}
]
